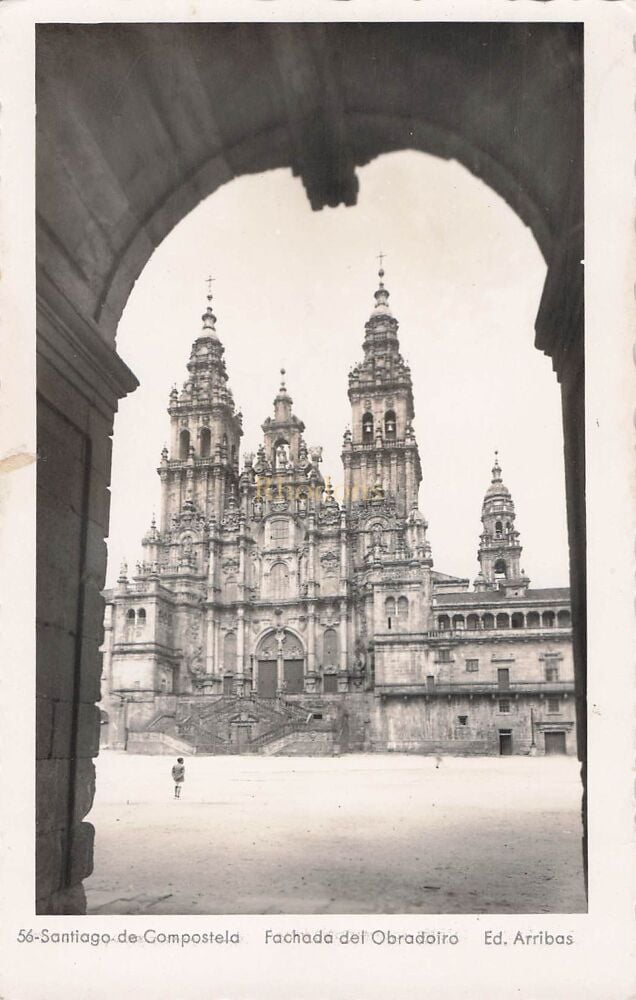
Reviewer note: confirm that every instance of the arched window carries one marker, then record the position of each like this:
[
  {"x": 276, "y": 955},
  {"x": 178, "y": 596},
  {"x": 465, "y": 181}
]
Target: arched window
[
  {"x": 472, "y": 622},
  {"x": 503, "y": 621},
  {"x": 280, "y": 531},
  {"x": 141, "y": 616},
  {"x": 517, "y": 620},
  {"x": 533, "y": 619},
  {"x": 330, "y": 648},
  {"x": 233, "y": 453},
  {"x": 279, "y": 579},
  {"x": 564, "y": 619},
  {"x": 443, "y": 623},
  {"x": 547, "y": 619},
  {"x": 489, "y": 620},
  {"x": 130, "y": 615},
  {"x": 367, "y": 428},
  {"x": 403, "y": 609},
  {"x": 458, "y": 622},
  {"x": 501, "y": 568},
  {"x": 498, "y": 529},
  {"x": 184, "y": 445},
  {"x": 206, "y": 439},
  {"x": 390, "y": 425},
  {"x": 229, "y": 651},
  {"x": 389, "y": 611}
]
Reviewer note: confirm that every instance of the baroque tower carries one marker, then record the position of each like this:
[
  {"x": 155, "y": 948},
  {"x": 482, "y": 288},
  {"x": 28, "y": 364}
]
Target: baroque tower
[
  {"x": 499, "y": 547},
  {"x": 380, "y": 451},
  {"x": 201, "y": 465}
]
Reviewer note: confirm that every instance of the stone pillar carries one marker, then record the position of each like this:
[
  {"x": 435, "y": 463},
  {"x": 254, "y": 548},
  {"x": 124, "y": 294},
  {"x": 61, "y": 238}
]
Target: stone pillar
[
  {"x": 343, "y": 636},
  {"x": 311, "y": 640},
  {"x": 78, "y": 398},
  {"x": 210, "y": 662},
  {"x": 560, "y": 334},
  {"x": 240, "y": 641}
]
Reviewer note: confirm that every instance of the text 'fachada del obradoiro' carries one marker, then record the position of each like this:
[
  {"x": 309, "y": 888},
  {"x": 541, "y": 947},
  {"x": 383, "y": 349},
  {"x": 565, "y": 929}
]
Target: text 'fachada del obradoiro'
[{"x": 268, "y": 616}]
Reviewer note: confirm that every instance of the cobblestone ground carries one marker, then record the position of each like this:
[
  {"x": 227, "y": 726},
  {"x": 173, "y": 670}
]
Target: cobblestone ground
[{"x": 352, "y": 834}]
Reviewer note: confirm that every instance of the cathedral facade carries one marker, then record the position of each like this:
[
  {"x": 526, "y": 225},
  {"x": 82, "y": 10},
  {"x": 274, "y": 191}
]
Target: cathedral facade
[{"x": 267, "y": 616}]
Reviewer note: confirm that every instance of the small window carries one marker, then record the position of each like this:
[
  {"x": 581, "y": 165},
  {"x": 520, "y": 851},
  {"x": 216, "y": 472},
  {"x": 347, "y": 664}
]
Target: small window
[
  {"x": 444, "y": 655},
  {"x": 498, "y": 529},
  {"x": 504, "y": 705},
  {"x": 367, "y": 428},
  {"x": 141, "y": 615},
  {"x": 554, "y": 706},
  {"x": 131, "y": 615},
  {"x": 389, "y": 425},
  {"x": 316, "y": 715},
  {"x": 280, "y": 530},
  {"x": 551, "y": 673},
  {"x": 472, "y": 666},
  {"x": 463, "y": 720}
]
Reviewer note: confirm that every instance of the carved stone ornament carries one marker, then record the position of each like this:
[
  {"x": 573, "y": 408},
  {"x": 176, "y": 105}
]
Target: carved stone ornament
[
  {"x": 279, "y": 505},
  {"x": 330, "y": 563},
  {"x": 230, "y": 565}
]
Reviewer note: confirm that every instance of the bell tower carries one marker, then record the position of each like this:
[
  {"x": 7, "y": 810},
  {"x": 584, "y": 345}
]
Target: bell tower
[
  {"x": 380, "y": 450},
  {"x": 499, "y": 547},
  {"x": 201, "y": 465}
]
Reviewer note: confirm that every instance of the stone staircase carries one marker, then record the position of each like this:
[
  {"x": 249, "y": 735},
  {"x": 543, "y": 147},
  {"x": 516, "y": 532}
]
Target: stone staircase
[{"x": 240, "y": 725}]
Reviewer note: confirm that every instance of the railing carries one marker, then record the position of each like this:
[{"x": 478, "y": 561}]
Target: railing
[
  {"x": 463, "y": 633},
  {"x": 482, "y": 687}
]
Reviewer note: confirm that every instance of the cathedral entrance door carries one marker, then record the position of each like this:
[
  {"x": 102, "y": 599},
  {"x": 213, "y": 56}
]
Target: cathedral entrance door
[
  {"x": 267, "y": 679},
  {"x": 294, "y": 677}
]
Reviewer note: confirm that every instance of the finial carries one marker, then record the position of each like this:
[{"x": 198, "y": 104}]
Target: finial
[
  {"x": 381, "y": 257},
  {"x": 496, "y": 469},
  {"x": 209, "y": 319},
  {"x": 282, "y": 380}
]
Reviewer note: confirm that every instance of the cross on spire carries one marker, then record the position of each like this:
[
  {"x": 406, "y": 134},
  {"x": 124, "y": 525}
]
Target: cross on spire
[
  {"x": 381, "y": 257},
  {"x": 208, "y": 282}
]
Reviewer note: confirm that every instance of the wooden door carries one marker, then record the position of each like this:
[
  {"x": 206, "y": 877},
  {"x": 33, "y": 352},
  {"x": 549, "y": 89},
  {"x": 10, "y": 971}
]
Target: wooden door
[
  {"x": 294, "y": 676},
  {"x": 267, "y": 680},
  {"x": 555, "y": 743},
  {"x": 505, "y": 742}
]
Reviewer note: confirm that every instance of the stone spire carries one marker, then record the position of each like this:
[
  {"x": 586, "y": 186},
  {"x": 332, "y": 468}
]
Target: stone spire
[
  {"x": 201, "y": 462},
  {"x": 209, "y": 319},
  {"x": 381, "y": 447},
  {"x": 499, "y": 546}
]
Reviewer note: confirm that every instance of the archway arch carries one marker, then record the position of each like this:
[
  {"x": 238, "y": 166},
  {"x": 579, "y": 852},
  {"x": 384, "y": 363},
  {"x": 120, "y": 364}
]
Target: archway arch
[
  {"x": 280, "y": 659},
  {"x": 340, "y": 113}
]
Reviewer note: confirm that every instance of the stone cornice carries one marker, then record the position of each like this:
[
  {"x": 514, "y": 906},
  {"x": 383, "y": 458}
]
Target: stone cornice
[{"x": 75, "y": 346}]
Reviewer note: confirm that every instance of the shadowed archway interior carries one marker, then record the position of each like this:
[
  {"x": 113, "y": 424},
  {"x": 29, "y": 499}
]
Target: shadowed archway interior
[{"x": 169, "y": 113}]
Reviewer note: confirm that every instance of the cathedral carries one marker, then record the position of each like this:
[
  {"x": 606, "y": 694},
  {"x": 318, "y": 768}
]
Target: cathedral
[{"x": 268, "y": 616}]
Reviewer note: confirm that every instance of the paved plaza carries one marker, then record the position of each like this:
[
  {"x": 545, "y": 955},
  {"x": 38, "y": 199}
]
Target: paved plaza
[{"x": 352, "y": 834}]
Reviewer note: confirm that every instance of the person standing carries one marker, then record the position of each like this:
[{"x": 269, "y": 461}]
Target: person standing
[{"x": 178, "y": 776}]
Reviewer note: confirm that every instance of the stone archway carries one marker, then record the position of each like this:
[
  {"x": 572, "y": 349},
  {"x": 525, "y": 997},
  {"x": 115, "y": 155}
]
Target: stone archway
[
  {"x": 120, "y": 161},
  {"x": 280, "y": 662}
]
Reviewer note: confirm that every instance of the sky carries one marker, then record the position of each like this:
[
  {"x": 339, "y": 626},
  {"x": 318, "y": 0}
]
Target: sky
[{"x": 293, "y": 288}]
